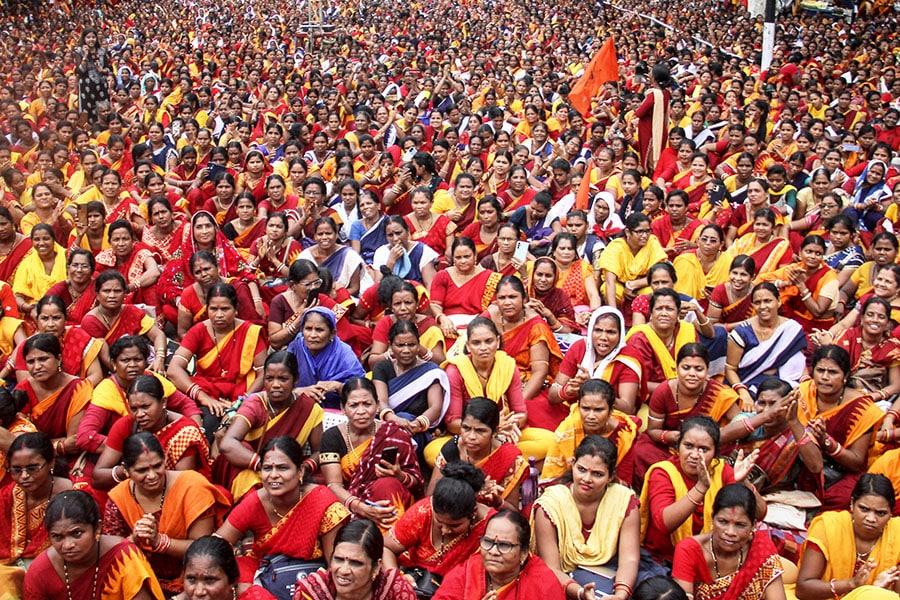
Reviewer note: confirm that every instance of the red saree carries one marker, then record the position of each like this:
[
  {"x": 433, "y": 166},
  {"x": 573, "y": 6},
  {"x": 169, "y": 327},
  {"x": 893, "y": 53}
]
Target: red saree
[
  {"x": 468, "y": 581},
  {"x": 794, "y": 308},
  {"x": 225, "y": 369},
  {"x": 23, "y": 529},
  {"x": 76, "y": 308},
  {"x": 79, "y": 351},
  {"x": 52, "y": 414},
  {"x": 131, "y": 321},
  {"x": 10, "y": 262},
  {"x": 732, "y": 312},
  {"x": 667, "y": 235},
  {"x": 389, "y": 584}
]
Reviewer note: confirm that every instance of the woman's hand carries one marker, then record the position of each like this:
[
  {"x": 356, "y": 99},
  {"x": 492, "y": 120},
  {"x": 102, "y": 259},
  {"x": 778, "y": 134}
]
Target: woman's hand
[
  {"x": 746, "y": 400},
  {"x": 509, "y": 428},
  {"x": 703, "y": 480},
  {"x": 887, "y": 579},
  {"x": 583, "y": 318},
  {"x": 381, "y": 511},
  {"x": 861, "y": 577},
  {"x": 822, "y": 337},
  {"x": 447, "y": 326},
  {"x": 159, "y": 363},
  {"x": 454, "y": 215},
  {"x": 817, "y": 429},
  {"x": 146, "y": 531},
  {"x": 385, "y": 469},
  {"x": 216, "y": 406},
  {"x": 743, "y": 464},
  {"x": 491, "y": 493},
  {"x": 316, "y": 392}
]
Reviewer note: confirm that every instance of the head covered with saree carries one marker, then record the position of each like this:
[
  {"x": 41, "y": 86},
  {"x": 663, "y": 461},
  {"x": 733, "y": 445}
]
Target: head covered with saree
[{"x": 590, "y": 357}]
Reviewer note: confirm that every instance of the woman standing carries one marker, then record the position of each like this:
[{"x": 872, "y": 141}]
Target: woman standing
[
  {"x": 92, "y": 65},
  {"x": 745, "y": 564},
  {"x": 653, "y": 117},
  {"x": 160, "y": 510},
  {"x": 81, "y": 561},
  {"x": 356, "y": 461},
  {"x": 591, "y": 523}
]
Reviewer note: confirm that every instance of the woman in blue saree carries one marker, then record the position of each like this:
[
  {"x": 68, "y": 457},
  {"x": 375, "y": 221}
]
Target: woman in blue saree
[
  {"x": 871, "y": 196},
  {"x": 325, "y": 361},
  {"x": 367, "y": 234},
  {"x": 343, "y": 262}
]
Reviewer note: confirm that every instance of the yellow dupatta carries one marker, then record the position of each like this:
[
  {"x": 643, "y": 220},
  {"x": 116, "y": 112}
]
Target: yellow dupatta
[
  {"x": 832, "y": 533},
  {"x": 685, "y": 335},
  {"x": 81, "y": 397},
  {"x": 497, "y": 383},
  {"x": 350, "y": 461},
  {"x": 617, "y": 258},
  {"x": 691, "y": 278},
  {"x": 603, "y": 542},
  {"x": 109, "y": 396},
  {"x": 570, "y": 433},
  {"x": 247, "y": 351},
  {"x": 808, "y": 409},
  {"x": 686, "y": 529}
]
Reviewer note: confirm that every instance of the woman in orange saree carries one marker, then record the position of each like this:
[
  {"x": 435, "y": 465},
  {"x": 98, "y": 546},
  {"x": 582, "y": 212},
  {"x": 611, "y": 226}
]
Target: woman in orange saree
[
  {"x": 767, "y": 251},
  {"x": 285, "y": 515},
  {"x": 245, "y": 228},
  {"x": 15, "y": 244}
]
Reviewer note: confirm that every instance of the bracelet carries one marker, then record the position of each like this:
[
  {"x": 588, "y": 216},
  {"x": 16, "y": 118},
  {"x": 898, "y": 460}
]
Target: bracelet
[
  {"x": 256, "y": 299},
  {"x": 349, "y": 500},
  {"x": 565, "y": 395},
  {"x": 424, "y": 420},
  {"x": 253, "y": 465},
  {"x": 804, "y": 440},
  {"x": 806, "y": 296},
  {"x": 193, "y": 391},
  {"x": 311, "y": 465},
  {"x": 694, "y": 502},
  {"x": 627, "y": 588},
  {"x": 115, "y": 477},
  {"x": 895, "y": 414},
  {"x": 739, "y": 386},
  {"x": 581, "y": 593},
  {"x": 704, "y": 324},
  {"x": 162, "y": 544},
  {"x": 836, "y": 450},
  {"x": 384, "y": 413},
  {"x": 558, "y": 327},
  {"x": 834, "y": 591},
  {"x": 884, "y": 394},
  {"x": 748, "y": 425}
]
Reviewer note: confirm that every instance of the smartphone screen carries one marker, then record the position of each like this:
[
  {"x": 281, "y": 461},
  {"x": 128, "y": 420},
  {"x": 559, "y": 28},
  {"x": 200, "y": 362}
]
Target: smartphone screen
[{"x": 521, "y": 252}]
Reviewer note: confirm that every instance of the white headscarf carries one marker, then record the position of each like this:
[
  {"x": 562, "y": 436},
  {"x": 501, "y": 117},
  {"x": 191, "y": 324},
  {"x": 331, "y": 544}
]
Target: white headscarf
[
  {"x": 589, "y": 356},
  {"x": 613, "y": 220}
]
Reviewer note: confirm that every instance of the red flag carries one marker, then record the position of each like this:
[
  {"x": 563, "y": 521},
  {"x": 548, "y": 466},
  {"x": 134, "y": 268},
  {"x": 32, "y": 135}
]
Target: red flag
[
  {"x": 603, "y": 68},
  {"x": 583, "y": 195}
]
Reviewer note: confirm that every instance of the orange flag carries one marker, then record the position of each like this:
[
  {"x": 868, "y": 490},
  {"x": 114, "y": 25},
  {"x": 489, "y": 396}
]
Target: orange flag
[
  {"x": 583, "y": 195},
  {"x": 603, "y": 68}
]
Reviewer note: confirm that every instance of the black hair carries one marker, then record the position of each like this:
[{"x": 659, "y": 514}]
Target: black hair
[
  {"x": 484, "y": 410},
  {"x": 598, "y": 387},
  {"x": 119, "y": 224},
  {"x": 455, "y": 494},
  {"x": 287, "y": 446},
  {"x": 75, "y": 505},
  {"x": 660, "y": 587},
  {"x": 366, "y": 534},
  {"x": 874, "y": 484},
  {"x": 401, "y": 327},
  {"x": 834, "y": 353},
  {"x": 523, "y": 527},
  {"x": 217, "y": 549},
  {"x": 107, "y": 276},
  {"x": 204, "y": 255},
  {"x": 480, "y": 321},
  {"x": 357, "y": 383},
  {"x": 129, "y": 341},
  {"x": 706, "y": 424},
  {"x": 301, "y": 268},
  {"x": 48, "y": 300},
  {"x": 286, "y": 359},
  {"x": 140, "y": 443},
  {"x": 774, "y": 384},
  {"x": 148, "y": 384},
  {"x": 598, "y": 446},
  {"x": 462, "y": 241},
  {"x": 811, "y": 239},
  {"x": 663, "y": 266},
  {"x": 692, "y": 350},
  {"x": 736, "y": 495},
  {"x": 665, "y": 293},
  {"x": 765, "y": 285},
  {"x": 220, "y": 289},
  {"x": 37, "y": 441},
  {"x": 45, "y": 342},
  {"x": 516, "y": 283},
  {"x": 92, "y": 263}
]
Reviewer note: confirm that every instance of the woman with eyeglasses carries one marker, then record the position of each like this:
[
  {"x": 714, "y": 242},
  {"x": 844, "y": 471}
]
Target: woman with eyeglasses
[
  {"x": 504, "y": 567},
  {"x": 30, "y": 459},
  {"x": 625, "y": 261}
]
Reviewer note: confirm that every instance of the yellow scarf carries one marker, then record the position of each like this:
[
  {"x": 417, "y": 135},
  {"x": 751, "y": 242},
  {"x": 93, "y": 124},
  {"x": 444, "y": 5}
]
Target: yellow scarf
[
  {"x": 497, "y": 383},
  {"x": 570, "y": 433},
  {"x": 832, "y": 533},
  {"x": 686, "y": 529},
  {"x": 603, "y": 542},
  {"x": 685, "y": 335}
]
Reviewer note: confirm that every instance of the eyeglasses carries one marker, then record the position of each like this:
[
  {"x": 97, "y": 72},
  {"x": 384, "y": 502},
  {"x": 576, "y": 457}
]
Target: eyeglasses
[
  {"x": 709, "y": 240},
  {"x": 640, "y": 231},
  {"x": 502, "y": 547},
  {"x": 311, "y": 284},
  {"x": 80, "y": 267},
  {"x": 33, "y": 470}
]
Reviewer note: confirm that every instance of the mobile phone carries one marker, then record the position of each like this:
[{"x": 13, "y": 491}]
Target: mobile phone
[
  {"x": 850, "y": 147},
  {"x": 717, "y": 194},
  {"x": 521, "y": 252},
  {"x": 213, "y": 170},
  {"x": 390, "y": 455},
  {"x": 408, "y": 155}
]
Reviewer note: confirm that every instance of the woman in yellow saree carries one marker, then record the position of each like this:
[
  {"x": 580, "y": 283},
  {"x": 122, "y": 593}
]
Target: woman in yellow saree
[
  {"x": 625, "y": 261},
  {"x": 277, "y": 410},
  {"x": 702, "y": 270}
]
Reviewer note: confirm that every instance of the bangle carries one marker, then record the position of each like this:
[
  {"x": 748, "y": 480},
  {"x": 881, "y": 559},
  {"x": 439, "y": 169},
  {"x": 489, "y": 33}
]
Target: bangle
[
  {"x": 884, "y": 394},
  {"x": 581, "y": 593},
  {"x": 704, "y": 324},
  {"x": 384, "y": 413},
  {"x": 895, "y": 414},
  {"x": 162, "y": 544},
  {"x": 311, "y": 465},
  {"x": 424, "y": 420},
  {"x": 739, "y": 386},
  {"x": 804, "y": 440},
  {"x": 564, "y": 394},
  {"x": 348, "y": 501},
  {"x": 834, "y": 591},
  {"x": 193, "y": 391},
  {"x": 748, "y": 425},
  {"x": 835, "y": 450},
  {"x": 806, "y": 296},
  {"x": 115, "y": 477},
  {"x": 256, "y": 299},
  {"x": 625, "y": 587},
  {"x": 253, "y": 465},
  {"x": 691, "y": 499}
]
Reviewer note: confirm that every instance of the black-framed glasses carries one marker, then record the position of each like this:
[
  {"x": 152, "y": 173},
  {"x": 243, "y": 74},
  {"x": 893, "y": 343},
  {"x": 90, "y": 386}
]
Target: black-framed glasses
[
  {"x": 641, "y": 231},
  {"x": 502, "y": 547},
  {"x": 30, "y": 469}
]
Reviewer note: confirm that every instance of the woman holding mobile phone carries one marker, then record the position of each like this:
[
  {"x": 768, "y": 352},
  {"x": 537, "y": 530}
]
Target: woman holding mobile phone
[{"x": 369, "y": 464}]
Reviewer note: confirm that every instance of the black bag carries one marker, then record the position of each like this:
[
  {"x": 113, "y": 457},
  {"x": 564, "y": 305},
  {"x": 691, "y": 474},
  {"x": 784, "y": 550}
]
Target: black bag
[
  {"x": 279, "y": 573},
  {"x": 427, "y": 583}
]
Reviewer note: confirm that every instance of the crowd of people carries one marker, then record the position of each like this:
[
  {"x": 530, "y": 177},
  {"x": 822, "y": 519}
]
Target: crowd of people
[{"x": 370, "y": 300}]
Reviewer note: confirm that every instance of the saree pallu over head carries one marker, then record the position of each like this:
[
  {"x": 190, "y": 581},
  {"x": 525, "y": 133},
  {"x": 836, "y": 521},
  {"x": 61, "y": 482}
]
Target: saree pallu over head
[
  {"x": 297, "y": 533},
  {"x": 52, "y": 414},
  {"x": 686, "y": 334},
  {"x": 782, "y": 352},
  {"x": 685, "y": 530},
  {"x": 602, "y": 545},
  {"x": 832, "y": 533},
  {"x": 570, "y": 433},
  {"x": 846, "y": 422},
  {"x": 597, "y": 367},
  {"x": 498, "y": 382},
  {"x": 358, "y": 466},
  {"x": 406, "y": 388},
  {"x": 335, "y": 362}
]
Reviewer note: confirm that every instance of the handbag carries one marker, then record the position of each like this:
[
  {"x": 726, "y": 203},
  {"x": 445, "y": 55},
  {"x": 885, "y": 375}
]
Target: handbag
[
  {"x": 279, "y": 573},
  {"x": 426, "y": 582}
]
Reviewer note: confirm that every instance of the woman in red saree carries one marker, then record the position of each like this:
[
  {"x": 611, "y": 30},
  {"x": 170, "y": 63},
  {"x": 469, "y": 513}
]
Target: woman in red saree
[
  {"x": 809, "y": 289},
  {"x": 744, "y": 215},
  {"x": 689, "y": 394},
  {"x": 253, "y": 176},
  {"x": 285, "y": 515},
  {"x": 82, "y": 355},
  {"x": 502, "y": 463},
  {"x": 228, "y": 353},
  {"x": 24, "y": 505},
  {"x": 354, "y": 464},
  {"x": 509, "y": 574},
  {"x": 134, "y": 261},
  {"x": 15, "y": 245},
  {"x": 484, "y": 231},
  {"x": 675, "y": 230},
  {"x": 693, "y": 181},
  {"x": 730, "y": 303},
  {"x": 77, "y": 290},
  {"x": 464, "y": 290},
  {"x": 56, "y": 400},
  {"x": 841, "y": 419},
  {"x": 272, "y": 253},
  {"x": 767, "y": 251},
  {"x": 441, "y": 531},
  {"x": 549, "y": 301},
  {"x": 204, "y": 234},
  {"x": 113, "y": 318},
  {"x": 101, "y": 562},
  {"x": 746, "y": 565},
  {"x": 165, "y": 231},
  {"x": 530, "y": 341},
  {"x": 576, "y": 276}
]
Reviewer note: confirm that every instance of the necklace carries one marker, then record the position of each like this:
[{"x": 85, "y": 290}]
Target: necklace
[
  {"x": 225, "y": 208},
  {"x": 510, "y": 325},
  {"x": 222, "y": 371},
  {"x": 96, "y": 576},
  {"x": 162, "y": 497},
  {"x": 350, "y": 443},
  {"x": 108, "y": 321},
  {"x": 712, "y": 549},
  {"x": 862, "y": 557}
]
